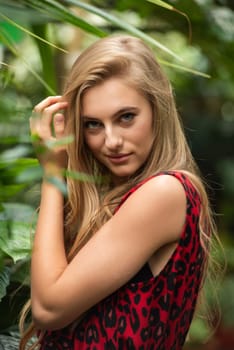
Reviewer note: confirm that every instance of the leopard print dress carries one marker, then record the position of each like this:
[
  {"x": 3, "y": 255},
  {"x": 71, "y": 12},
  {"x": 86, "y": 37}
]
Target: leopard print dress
[{"x": 150, "y": 314}]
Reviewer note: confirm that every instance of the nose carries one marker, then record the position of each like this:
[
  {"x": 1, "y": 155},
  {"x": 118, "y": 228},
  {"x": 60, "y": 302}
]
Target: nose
[{"x": 113, "y": 139}]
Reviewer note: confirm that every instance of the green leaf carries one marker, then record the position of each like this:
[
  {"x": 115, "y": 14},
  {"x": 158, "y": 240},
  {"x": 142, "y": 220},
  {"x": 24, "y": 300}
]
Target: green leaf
[
  {"x": 4, "y": 281},
  {"x": 20, "y": 272},
  {"x": 15, "y": 34},
  {"x": 84, "y": 177},
  {"x": 19, "y": 164},
  {"x": 17, "y": 212},
  {"x": 17, "y": 244},
  {"x": 8, "y": 191},
  {"x": 14, "y": 153},
  {"x": 56, "y": 10},
  {"x": 60, "y": 184},
  {"x": 51, "y": 144},
  {"x": 23, "y": 29},
  {"x": 6, "y": 40},
  {"x": 183, "y": 68},
  {"x": 17, "y": 224},
  {"x": 47, "y": 56},
  {"x": 171, "y": 8},
  {"x": 123, "y": 25},
  {"x": 161, "y": 4},
  {"x": 32, "y": 173},
  {"x": 22, "y": 170}
]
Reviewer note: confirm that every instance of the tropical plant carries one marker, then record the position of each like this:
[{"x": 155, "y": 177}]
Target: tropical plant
[
  {"x": 29, "y": 51},
  {"x": 20, "y": 172}
]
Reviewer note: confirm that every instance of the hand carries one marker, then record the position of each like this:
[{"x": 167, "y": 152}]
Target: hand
[{"x": 46, "y": 117}]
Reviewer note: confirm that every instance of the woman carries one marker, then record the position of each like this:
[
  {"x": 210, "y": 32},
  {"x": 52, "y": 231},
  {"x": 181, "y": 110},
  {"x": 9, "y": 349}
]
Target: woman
[{"x": 119, "y": 263}]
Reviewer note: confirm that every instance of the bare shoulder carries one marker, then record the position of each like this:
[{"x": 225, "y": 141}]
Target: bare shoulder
[
  {"x": 165, "y": 182},
  {"x": 159, "y": 206},
  {"x": 166, "y": 189}
]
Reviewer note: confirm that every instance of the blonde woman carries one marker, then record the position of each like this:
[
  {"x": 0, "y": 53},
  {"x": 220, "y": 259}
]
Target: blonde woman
[{"x": 119, "y": 262}]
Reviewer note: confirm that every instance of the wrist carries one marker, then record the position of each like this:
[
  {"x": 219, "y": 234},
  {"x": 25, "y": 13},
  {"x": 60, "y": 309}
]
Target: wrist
[
  {"x": 53, "y": 170},
  {"x": 54, "y": 176}
]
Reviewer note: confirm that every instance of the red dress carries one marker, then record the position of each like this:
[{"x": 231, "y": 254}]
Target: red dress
[{"x": 154, "y": 313}]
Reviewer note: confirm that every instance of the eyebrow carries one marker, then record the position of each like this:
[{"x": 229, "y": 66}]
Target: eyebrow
[{"x": 116, "y": 114}]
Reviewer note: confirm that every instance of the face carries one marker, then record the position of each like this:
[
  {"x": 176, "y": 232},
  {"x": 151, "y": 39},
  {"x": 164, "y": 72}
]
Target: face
[{"x": 117, "y": 127}]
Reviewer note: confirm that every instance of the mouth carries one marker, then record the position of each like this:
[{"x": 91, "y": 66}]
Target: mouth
[{"x": 118, "y": 158}]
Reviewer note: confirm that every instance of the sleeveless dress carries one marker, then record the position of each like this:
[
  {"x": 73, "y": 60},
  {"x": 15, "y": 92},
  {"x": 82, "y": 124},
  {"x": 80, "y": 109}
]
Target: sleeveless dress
[{"x": 147, "y": 313}]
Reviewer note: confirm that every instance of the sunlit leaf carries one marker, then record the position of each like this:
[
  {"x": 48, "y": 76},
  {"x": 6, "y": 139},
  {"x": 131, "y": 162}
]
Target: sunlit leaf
[
  {"x": 56, "y": 10},
  {"x": 14, "y": 33},
  {"x": 4, "y": 64},
  {"x": 171, "y": 8},
  {"x": 122, "y": 24},
  {"x": 23, "y": 29},
  {"x": 184, "y": 68},
  {"x": 162, "y": 4}
]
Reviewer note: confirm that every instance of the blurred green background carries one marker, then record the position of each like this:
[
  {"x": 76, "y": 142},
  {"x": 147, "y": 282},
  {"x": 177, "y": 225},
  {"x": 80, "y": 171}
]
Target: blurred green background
[{"x": 39, "y": 40}]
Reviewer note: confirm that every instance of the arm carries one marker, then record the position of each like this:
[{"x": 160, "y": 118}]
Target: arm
[
  {"x": 151, "y": 217},
  {"x": 144, "y": 223}
]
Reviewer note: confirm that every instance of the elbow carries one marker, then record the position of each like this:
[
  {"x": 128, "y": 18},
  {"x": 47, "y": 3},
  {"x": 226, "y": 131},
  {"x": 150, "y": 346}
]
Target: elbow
[
  {"x": 48, "y": 319},
  {"x": 45, "y": 320}
]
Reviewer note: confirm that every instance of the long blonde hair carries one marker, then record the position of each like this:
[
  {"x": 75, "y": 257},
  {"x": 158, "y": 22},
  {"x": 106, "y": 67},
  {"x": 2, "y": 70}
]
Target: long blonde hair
[{"x": 91, "y": 203}]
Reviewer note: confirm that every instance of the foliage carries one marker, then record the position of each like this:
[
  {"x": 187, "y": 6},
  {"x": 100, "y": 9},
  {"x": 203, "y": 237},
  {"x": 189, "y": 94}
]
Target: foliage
[{"x": 32, "y": 46}]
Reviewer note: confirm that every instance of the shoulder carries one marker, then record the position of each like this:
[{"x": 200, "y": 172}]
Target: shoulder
[
  {"x": 158, "y": 205},
  {"x": 163, "y": 188}
]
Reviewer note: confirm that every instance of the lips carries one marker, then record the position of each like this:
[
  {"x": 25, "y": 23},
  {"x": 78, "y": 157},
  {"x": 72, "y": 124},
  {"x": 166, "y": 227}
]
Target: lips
[{"x": 118, "y": 158}]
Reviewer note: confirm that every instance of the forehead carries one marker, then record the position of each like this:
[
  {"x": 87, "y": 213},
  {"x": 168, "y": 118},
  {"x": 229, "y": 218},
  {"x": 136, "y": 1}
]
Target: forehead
[{"x": 109, "y": 96}]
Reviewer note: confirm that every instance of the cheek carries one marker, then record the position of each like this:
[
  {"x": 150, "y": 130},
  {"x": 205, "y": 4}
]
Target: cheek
[
  {"x": 146, "y": 139},
  {"x": 93, "y": 142},
  {"x": 144, "y": 133}
]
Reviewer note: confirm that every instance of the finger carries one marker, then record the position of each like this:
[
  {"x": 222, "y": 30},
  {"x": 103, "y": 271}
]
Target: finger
[
  {"x": 40, "y": 126},
  {"x": 59, "y": 125},
  {"x": 46, "y": 103},
  {"x": 43, "y": 108},
  {"x": 48, "y": 112},
  {"x": 44, "y": 119},
  {"x": 34, "y": 125},
  {"x": 38, "y": 131}
]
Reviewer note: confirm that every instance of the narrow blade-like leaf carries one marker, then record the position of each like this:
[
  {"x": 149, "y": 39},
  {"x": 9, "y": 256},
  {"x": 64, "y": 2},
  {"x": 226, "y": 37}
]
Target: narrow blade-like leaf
[
  {"x": 7, "y": 42},
  {"x": 56, "y": 10},
  {"x": 162, "y": 4},
  {"x": 122, "y": 24},
  {"x": 31, "y": 33}
]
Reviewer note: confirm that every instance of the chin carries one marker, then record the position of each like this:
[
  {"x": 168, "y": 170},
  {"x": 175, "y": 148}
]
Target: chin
[
  {"x": 123, "y": 173},
  {"x": 120, "y": 178}
]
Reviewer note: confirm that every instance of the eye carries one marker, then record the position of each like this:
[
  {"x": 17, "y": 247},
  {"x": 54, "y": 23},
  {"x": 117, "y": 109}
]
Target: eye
[
  {"x": 127, "y": 117},
  {"x": 92, "y": 124}
]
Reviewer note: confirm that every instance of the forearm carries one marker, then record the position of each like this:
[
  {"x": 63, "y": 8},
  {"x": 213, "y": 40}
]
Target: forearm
[{"x": 48, "y": 257}]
